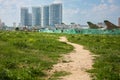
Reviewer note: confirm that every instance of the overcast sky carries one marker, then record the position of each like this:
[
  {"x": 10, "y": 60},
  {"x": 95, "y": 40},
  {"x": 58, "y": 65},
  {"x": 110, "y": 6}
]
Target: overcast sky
[{"x": 78, "y": 11}]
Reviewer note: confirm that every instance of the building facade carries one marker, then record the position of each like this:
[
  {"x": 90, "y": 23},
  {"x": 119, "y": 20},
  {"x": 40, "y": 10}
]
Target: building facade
[
  {"x": 36, "y": 16},
  {"x": 119, "y": 21},
  {"x": 24, "y": 16},
  {"x": 30, "y": 19},
  {"x": 49, "y": 15},
  {"x": 55, "y": 14},
  {"x": 45, "y": 16}
]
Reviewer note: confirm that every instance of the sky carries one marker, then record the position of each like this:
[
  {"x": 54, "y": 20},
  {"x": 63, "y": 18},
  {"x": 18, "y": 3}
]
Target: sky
[{"x": 78, "y": 11}]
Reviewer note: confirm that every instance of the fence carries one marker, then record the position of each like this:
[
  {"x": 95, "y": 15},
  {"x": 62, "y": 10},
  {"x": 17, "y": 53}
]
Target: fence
[{"x": 82, "y": 31}]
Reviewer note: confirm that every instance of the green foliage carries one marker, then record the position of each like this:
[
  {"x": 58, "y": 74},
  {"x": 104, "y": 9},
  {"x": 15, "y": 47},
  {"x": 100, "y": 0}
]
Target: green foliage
[
  {"x": 57, "y": 75},
  {"x": 28, "y": 55},
  {"x": 61, "y": 73},
  {"x": 107, "y": 64},
  {"x": 17, "y": 28}
]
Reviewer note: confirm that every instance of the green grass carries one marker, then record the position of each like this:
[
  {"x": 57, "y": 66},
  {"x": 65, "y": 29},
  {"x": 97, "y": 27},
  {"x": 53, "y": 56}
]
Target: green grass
[
  {"x": 57, "y": 75},
  {"x": 61, "y": 73},
  {"x": 107, "y": 64},
  {"x": 28, "y": 55}
]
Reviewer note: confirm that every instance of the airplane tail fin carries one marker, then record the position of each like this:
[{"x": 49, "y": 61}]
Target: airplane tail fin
[
  {"x": 92, "y": 26},
  {"x": 110, "y": 25}
]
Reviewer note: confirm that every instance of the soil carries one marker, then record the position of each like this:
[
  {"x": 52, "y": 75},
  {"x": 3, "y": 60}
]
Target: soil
[{"x": 76, "y": 62}]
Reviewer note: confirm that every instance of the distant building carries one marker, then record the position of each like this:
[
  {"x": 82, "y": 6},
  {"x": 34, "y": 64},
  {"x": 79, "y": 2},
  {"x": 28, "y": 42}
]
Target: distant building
[
  {"x": 101, "y": 25},
  {"x": 2, "y": 25},
  {"x": 45, "y": 16},
  {"x": 24, "y": 16},
  {"x": 119, "y": 21},
  {"x": 14, "y": 24},
  {"x": 84, "y": 26},
  {"x": 55, "y": 14},
  {"x": 30, "y": 19},
  {"x": 36, "y": 16}
]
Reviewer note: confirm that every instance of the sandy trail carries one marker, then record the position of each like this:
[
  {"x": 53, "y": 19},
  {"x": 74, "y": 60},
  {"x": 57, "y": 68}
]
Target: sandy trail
[{"x": 77, "y": 62}]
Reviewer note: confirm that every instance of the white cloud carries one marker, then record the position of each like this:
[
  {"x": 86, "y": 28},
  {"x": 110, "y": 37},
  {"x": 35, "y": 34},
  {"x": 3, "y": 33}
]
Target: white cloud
[
  {"x": 105, "y": 8},
  {"x": 10, "y": 9},
  {"x": 102, "y": 1},
  {"x": 102, "y": 11},
  {"x": 111, "y": 1},
  {"x": 71, "y": 12},
  {"x": 101, "y": 7},
  {"x": 58, "y": 1},
  {"x": 1, "y": 1}
]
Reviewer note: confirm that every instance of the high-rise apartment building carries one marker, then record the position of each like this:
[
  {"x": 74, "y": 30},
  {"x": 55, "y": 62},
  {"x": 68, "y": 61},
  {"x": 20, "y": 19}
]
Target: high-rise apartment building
[
  {"x": 45, "y": 16},
  {"x": 36, "y": 16},
  {"x": 30, "y": 19},
  {"x": 119, "y": 21},
  {"x": 55, "y": 14},
  {"x": 24, "y": 16},
  {"x": 0, "y": 24}
]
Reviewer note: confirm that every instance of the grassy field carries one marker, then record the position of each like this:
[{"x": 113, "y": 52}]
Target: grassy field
[
  {"x": 107, "y": 47},
  {"x": 28, "y": 55}
]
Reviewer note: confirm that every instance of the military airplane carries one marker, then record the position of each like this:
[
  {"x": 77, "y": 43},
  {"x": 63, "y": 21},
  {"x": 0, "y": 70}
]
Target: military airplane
[
  {"x": 93, "y": 26},
  {"x": 110, "y": 25}
]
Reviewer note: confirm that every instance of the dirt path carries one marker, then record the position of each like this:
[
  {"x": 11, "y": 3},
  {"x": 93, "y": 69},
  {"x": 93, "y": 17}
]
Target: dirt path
[{"x": 77, "y": 62}]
